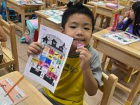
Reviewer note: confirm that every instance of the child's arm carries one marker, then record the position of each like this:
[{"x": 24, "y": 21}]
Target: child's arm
[
  {"x": 3, "y": 37},
  {"x": 34, "y": 48},
  {"x": 90, "y": 83},
  {"x": 123, "y": 21}
]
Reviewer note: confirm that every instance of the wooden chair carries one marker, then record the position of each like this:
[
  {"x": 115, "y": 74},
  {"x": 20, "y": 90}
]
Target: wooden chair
[
  {"x": 109, "y": 84},
  {"x": 10, "y": 57},
  {"x": 130, "y": 71},
  {"x": 47, "y": 4},
  {"x": 93, "y": 9}
]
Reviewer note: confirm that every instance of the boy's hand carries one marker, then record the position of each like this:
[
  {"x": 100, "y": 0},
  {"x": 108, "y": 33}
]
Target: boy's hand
[
  {"x": 34, "y": 48},
  {"x": 85, "y": 58}
]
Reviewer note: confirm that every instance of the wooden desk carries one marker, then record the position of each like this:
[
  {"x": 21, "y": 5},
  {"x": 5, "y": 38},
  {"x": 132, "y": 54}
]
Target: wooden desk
[
  {"x": 34, "y": 96},
  {"x": 20, "y": 9},
  {"x": 105, "y": 11},
  {"x": 128, "y": 54},
  {"x": 42, "y": 19}
]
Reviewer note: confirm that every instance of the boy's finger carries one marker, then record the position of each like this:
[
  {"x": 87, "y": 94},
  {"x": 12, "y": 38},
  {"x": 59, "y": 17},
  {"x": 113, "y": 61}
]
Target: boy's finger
[
  {"x": 34, "y": 50},
  {"x": 36, "y": 44},
  {"x": 37, "y": 47},
  {"x": 81, "y": 49}
]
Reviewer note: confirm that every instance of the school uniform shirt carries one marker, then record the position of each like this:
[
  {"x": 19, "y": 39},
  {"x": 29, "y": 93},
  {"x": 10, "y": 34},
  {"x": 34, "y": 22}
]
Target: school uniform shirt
[
  {"x": 122, "y": 24},
  {"x": 70, "y": 89}
]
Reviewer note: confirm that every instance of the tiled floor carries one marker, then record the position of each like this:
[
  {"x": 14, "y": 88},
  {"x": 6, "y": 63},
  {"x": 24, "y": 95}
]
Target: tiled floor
[{"x": 118, "y": 98}]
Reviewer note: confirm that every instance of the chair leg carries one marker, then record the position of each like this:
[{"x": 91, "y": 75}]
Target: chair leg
[
  {"x": 129, "y": 74},
  {"x": 128, "y": 103},
  {"x": 109, "y": 66},
  {"x": 103, "y": 61}
]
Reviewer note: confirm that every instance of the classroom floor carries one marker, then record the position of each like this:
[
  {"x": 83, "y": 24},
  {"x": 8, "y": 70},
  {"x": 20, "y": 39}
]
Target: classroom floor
[{"x": 119, "y": 96}]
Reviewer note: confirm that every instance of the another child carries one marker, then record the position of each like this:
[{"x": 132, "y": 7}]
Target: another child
[
  {"x": 132, "y": 20},
  {"x": 2, "y": 39},
  {"x": 130, "y": 24},
  {"x": 82, "y": 72}
]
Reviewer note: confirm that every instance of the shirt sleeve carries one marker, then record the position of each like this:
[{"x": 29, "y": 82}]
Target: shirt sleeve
[
  {"x": 121, "y": 25},
  {"x": 96, "y": 66}
]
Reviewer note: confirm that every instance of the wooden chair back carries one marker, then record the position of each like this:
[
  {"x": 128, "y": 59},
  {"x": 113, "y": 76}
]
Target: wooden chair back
[
  {"x": 93, "y": 9},
  {"x": 109, "y": 84},
  {"x": 10, "y": 57}
]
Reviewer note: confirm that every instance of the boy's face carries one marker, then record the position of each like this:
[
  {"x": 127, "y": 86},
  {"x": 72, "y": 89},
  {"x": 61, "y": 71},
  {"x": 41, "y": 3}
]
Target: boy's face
[{"x": 79, "y": 27}]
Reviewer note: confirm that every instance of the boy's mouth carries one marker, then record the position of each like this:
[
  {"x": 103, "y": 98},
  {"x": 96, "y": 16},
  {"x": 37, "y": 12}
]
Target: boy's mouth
[{"x": 79, "y": 40}]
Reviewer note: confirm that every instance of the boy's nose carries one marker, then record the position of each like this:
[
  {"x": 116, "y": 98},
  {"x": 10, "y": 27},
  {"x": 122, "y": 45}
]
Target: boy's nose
[{"x": 79, "y": 32}]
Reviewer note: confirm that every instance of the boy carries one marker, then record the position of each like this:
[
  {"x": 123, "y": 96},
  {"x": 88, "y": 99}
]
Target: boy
[{"x": 81, "y": 71}]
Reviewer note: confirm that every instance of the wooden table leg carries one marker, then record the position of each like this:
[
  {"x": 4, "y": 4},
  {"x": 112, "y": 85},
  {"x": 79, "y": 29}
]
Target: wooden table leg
[
  {"x": 104, "y": 58},
  {"x": 23, "y": 21},
  {"x": 101, "y": 23},
  {"x": 129, "y": 74},
  {"x": 109, "y": 66},
  {"x": 134, "y": 90},
  {"x": 112, "y": 19}
]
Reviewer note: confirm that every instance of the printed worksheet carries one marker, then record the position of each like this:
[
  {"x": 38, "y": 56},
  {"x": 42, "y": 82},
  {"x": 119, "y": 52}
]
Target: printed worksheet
[
  {"x": 46, "y": 68},
  {"x": 14, "y": 97},
  {"x": 124, "y": 38}
]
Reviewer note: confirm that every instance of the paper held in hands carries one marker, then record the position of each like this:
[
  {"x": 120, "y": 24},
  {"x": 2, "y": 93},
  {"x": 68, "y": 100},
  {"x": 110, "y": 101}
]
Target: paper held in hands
[{"x": 46, "y": 68}]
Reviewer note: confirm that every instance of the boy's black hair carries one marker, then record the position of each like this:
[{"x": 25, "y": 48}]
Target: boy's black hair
[
  {"x": 77, "y": 9},
  {"x": 136, "y": 27}
]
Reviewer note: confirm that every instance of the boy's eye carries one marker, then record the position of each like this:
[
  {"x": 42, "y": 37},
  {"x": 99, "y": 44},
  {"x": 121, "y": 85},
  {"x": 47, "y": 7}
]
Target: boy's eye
[
  {"x": 72, "y": 26},
  {"x": 86, "y": 28}
]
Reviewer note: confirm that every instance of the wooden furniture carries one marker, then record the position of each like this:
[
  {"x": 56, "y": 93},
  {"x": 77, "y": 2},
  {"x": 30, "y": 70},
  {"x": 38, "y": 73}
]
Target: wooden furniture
[
  {"x": 10, "y": 57},
  {"x": 108, "y": 88},
  {"x": 48, "y": 3},
  {"x": 128, "y": 54},
  {"x": 106, "y": 12},
  {"x": 34, "y": 97},
  {"x": 124, "y": 2},
  {"x": 63, "y": 1},
  {"x": 131, "y": 3},
  {"x": 127, "y": 69},
  {"x": 20, "y": 9},
  {"x": 93, "y": 9},
  {"x": 42, "y": 19}
]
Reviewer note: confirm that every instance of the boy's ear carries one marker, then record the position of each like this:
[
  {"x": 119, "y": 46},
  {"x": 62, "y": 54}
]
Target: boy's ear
[{"x": 62, "y": 30}]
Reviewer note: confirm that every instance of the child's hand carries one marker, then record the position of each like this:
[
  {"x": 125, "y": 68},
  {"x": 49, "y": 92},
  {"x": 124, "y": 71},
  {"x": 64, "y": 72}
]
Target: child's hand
[
  {"x": 34, "y": 48},
  {"x": 127, "y": 14},
  {"x": 85, "y": 58}
]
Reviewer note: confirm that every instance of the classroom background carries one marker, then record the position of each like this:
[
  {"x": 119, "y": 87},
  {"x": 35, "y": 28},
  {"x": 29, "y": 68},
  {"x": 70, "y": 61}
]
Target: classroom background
[{"x": 27, "y": 19}]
